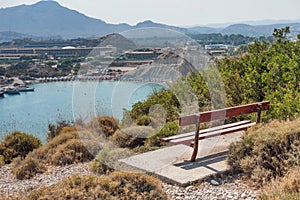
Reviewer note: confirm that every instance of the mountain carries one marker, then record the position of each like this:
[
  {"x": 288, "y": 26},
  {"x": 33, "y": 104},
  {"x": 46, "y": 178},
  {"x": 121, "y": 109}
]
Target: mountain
[
  {"x": 49, "y": 19},
  {"x": 246, "y": 29},
  {"x": 243, "y": 29},
  {"x": 259, "y": 30},
  {"x": 10, "y": 35},
  {"x": 149, "y": 23}
]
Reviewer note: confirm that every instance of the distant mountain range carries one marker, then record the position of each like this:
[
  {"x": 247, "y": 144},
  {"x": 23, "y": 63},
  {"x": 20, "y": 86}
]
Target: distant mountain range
[{"x": 49, "y": 19}]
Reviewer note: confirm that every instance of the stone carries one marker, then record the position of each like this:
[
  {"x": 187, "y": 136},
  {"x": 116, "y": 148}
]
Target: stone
[{"x": 214, "y": 183}]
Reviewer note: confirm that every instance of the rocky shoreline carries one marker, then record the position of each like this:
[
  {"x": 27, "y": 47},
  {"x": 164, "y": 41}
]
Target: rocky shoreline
[{"x": 10, "y": 187}]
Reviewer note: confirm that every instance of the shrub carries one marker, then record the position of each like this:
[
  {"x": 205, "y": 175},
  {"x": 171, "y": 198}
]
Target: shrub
[
  {"x": 65, "y": 148},
  {"x": 2, "y": 161},
  {"x": 131, "y": 137},
  {"x": 107, "y": 160},
  {"x": 166, "y": 98},
  {"x": 27, "y": 169},
  {"x": 267, "y": 151},
  {"x": 105, "y": 125},
  {"x": 18, "y": 144},
  {"x": 287, "y": 187},
  {"x": 169, "y": 129},
  {"x": 118, "y": 185},
  {"x": 143, "y": 120},
  {"x": 72, "y": 151},
  {"x": 68, "y": 148},
  {"x": 54, "y": 130}
]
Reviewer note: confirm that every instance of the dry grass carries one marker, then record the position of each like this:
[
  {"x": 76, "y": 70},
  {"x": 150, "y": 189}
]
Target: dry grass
[
  {"x": 287, "y": 188},
  {"x": 267, "y": 151},
  {"x": 118, "y": 185}
]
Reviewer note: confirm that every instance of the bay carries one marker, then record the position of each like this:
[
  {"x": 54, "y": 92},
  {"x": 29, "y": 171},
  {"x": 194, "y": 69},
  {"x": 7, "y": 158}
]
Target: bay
[{"x": 31, "y": 112}]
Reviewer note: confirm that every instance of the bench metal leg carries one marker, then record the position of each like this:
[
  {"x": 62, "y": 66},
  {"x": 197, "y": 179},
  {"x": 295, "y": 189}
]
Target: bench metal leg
[{"x": 196, "y": 141}]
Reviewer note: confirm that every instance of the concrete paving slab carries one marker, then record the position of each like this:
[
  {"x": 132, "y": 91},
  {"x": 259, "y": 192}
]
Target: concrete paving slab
[{"x": 172, "y": 164}]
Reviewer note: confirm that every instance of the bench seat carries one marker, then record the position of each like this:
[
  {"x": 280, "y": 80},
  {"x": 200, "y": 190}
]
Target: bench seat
[
  {"x": 192, "y": 134},
  {"x": 193, "y": 138},
  {"x": 189, "y": 139}
]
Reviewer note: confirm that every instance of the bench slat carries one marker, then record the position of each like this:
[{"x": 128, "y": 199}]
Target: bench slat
[
  {"x": 189, "y": 139},
  {"x": 223, "y": 113},
  {"x": 167, "y": 139}
]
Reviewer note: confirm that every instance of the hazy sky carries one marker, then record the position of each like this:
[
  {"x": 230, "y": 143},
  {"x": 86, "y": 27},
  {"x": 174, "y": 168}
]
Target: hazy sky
[{"x": 179, "y": 12}]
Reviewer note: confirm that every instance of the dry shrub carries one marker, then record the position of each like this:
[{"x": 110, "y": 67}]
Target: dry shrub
[
  {"x": 68, "y": 129},
  {"x": 51, "y": 146},
  {"x": 131, "y": 137},
  {"x": 66, "y": 148},
  {"x": 72, "y": 151},
  {"x": 108, "y": 160},
  {"x": 55, "y": 129},
  {"x": 17, "y": 144},
  {"x": 118, "y": 185},
  {"x": 105, "y": 125},
  {"x": 287, "y": 187},
  {"x": 267, "y": 151},
  {"x": 27, "y": 168}
]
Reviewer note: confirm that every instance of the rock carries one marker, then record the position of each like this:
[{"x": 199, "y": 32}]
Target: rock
[{"x": 214, "y": 183}]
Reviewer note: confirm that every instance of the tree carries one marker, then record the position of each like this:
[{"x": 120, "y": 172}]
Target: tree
[{"x": 280, "y": 34}]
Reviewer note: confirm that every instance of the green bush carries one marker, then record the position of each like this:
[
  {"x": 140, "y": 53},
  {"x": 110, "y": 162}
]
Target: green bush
[
  {"x": 118, "y": 185},
  {"x": 169, "y": 129},
  {"x": 131, "y": 137},
  {"x": 267, "y": 151},
  {"x": 143, "y": 120},
  {"x": 105, "y": 125},
  {"x": 165, "y": 98},
  {"x": 18, "y": 144},
  {"x": 266, "y": 72}
]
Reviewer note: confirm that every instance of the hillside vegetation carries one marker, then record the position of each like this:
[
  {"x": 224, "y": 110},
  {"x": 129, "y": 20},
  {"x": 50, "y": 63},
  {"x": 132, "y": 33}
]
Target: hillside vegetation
[{"x": 266, "y": 72}]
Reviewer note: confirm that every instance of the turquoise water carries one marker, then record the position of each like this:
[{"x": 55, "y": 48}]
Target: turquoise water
[{"x": 31, "y": 112}]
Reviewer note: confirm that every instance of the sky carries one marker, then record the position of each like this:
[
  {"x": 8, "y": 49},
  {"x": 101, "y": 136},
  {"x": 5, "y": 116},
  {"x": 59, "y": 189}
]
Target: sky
[{"x": 179, "y": 12}]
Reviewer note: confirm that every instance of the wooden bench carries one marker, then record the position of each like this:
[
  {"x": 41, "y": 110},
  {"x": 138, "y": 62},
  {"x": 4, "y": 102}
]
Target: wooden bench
[{"x": 193, "y": 138}]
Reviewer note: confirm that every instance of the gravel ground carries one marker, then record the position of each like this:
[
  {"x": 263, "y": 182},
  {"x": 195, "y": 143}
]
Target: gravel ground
[
  {"x": 206, "y": 191},
  {"x": 10, "y": 186}
]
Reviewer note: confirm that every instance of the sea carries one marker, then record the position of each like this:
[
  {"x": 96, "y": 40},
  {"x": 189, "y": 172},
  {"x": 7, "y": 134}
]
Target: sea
[{"x": 32, "y": 112}]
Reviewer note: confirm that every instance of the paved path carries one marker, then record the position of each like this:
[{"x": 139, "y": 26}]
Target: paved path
[{"x": 172, "y": 163}]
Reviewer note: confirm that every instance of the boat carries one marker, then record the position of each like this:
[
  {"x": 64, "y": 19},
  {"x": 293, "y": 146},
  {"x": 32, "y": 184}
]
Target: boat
[
  {"x": 1, "y": 94},
  {"x": 11, "y": 91},
  {"x": 26, "y": 89}
]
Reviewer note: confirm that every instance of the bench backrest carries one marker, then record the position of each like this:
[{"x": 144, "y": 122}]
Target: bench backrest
[{"x": 224, "y": 113}]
